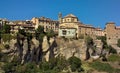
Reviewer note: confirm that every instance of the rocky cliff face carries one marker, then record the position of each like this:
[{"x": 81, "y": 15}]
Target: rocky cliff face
[
  {"x": 33, "y": 50},
  {"x": 71, "y": 47}
]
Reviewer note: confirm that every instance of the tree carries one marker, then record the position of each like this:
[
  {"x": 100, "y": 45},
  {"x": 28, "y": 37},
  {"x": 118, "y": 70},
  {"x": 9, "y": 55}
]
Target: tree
[
  {"x": 89, "y": 41},
  {"x": 50, "y": 33},
  {"x": 75, "y": 64},
  {"x": 118, "y": 43},
  {"x": 103, "y": 39},
  {"x": 39, "y": 33},
  {"x": 112, "y": 50},
  {"x": 22, "y": 31},
  {"x": 6, "y": 28}
]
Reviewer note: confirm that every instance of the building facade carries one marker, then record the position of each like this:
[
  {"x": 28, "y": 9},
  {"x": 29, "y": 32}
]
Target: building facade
[
  {"x": 26, "y": 25},
  {"x": 74, "y": 28},
  {"x": 68, "y": 26},
  {"x": 47, "y": 23},
  {"x": 112, "y": 33}
]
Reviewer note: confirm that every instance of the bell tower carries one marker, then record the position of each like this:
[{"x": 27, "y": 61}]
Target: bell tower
[{"x": 60, "y": 17}]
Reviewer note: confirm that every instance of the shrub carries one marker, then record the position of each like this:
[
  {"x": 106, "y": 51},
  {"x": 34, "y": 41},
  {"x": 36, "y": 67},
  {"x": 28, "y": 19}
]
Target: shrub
[
  {"x": 75, "y": 64},
  {"x": 118, "y": 43},
  {"x": 112, "y": 50},
  {"x": 7, "y": 46},
  {"x": 7, "y": 37}
]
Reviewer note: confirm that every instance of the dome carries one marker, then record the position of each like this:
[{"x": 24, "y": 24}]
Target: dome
[{"x": 70, "y": 15}]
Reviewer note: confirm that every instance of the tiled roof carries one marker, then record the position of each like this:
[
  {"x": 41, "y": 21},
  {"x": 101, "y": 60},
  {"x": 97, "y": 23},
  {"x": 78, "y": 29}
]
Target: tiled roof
[{"x": 70, "y": 15}]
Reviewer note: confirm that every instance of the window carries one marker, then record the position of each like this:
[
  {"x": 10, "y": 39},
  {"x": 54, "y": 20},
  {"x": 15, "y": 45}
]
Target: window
[{"x": 64, "y": 32}]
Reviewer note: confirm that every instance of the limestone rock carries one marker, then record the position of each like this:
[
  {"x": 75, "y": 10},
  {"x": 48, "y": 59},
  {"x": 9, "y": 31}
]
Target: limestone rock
[
  {"x": 45, "y": 44},
  {"x": 25, "y": 50},
  {"x": 35, "y": 42},
  {"x": 12, "y": 43}
]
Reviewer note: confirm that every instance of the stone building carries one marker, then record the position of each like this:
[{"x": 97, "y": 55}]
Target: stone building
[
  {"x": 26, "y": 25},
  {"x": 71, "y": 27},
  {"x": 112, "y": 33},
  {"x": 47, "y": 23},
  {"x": 99, "y": 32},
  {"x": 68, "y": 26}
]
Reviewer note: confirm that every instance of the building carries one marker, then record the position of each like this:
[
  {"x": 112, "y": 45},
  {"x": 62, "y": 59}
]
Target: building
[
  {"x": 68, "y": 26},
  {"x": 112, "y": 33},
  {"x": 99, "y": 32},
  {"x": 71, "y": 27},
  {"x": 26, "y": 25},
  {"x": 86, "y": 30},
  {"x": 47, "y": 23}
]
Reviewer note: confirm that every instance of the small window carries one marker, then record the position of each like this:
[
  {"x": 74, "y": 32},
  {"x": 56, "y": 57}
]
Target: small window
[{"x": 64, "y": 32}]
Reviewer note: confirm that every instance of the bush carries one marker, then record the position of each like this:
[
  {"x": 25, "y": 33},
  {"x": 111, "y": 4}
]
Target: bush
[
  {"x": 89, "y": 41},
  {"x": 112, "y": 50},
  {"x": 75, "y": 64},
  {"x": 27, "y": 68},
  {"x": 9, "y": 67},
  {"x": 7, "y": 37},
  {"x": 7, "y": 46}
]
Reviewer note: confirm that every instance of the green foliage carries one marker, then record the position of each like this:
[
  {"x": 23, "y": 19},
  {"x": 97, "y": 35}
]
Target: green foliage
[
  {"x": 102, "y": 67},
  {"x": 40, "y": 29},
  {"x": 114, "y": 58},
  {"x": 89, "y": 41},
  {"x": 112, "y": 50},
  {"x": 39, "y": 33},
  {"x": 118, "y": 43},
  {"x": 7, "y": 37},
  {"x": 30, "y": 67},
  {"x": 50, "y": 33},
  {"x": 7, "y": 46},
  {"x": 55, "y": 65},
  {"x": 9, "y": 67},
  {"x": 22, "y": 31},
  {"x": 103, "y": 39},
  {"x": 75, "y": 64},
  {"x": 29, "y": 36},
  {"x": 6, "y": 29}
]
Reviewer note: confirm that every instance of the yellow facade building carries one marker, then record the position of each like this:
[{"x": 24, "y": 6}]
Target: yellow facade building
[
  {"x": 47, "y": 23},
  {"x": 71, "y": 27}
]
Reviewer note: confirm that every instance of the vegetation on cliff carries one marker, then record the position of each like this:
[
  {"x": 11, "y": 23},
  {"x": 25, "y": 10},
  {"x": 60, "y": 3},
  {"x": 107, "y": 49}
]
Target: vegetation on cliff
[{"x": 118, "y": 43}]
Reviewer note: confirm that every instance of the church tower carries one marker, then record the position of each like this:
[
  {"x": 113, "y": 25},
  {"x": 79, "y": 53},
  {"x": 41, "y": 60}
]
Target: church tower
[{"x": 60, "y": 17}]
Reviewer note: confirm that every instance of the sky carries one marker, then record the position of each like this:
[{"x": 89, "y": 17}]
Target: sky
[{"x": 93, "y": 12}]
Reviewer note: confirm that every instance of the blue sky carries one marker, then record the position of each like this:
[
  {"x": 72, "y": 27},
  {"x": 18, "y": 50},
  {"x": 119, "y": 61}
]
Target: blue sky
[{"x": 94, "y": 12}]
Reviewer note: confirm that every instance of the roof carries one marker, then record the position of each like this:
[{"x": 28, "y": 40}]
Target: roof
[
  {"x": 111, "y": 22},
  {"x": 70, "y": 15},
  {"x": 117, "y": 27}
]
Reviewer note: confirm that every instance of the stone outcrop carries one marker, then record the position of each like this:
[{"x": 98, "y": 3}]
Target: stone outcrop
[
  {"x": 33, "y": 50},
  {"x": 72, "y": 47}
]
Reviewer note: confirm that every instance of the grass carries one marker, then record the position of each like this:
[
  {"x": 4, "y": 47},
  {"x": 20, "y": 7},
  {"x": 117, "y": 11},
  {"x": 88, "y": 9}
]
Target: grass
[
  {"x": 102, "y": 67},
  {"x": 114, "y": 58}
]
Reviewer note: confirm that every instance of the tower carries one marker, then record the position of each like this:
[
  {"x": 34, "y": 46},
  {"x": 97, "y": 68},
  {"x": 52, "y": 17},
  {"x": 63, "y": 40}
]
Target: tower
[{"x": 60, "y": 17}]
